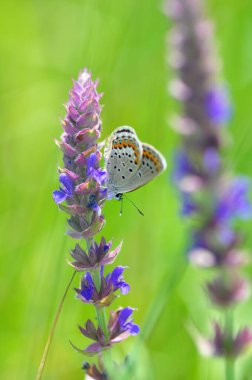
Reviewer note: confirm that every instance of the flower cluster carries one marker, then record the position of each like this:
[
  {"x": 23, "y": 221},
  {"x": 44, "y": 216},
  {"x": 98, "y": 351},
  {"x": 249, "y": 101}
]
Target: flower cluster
[
  {"x": 82, "y": 179},
  {"x": 83, "y": 189},
  {"x": 119, "y": 328},
  {"x": 212, "y": 198},
  {"x": 88, "y": 293}
]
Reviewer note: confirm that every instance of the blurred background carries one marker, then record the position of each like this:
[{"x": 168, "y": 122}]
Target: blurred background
[{"x": 43, "y": 45}]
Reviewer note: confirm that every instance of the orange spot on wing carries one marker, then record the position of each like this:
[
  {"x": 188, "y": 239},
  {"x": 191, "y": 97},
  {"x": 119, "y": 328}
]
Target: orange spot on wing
[{"x": 154, "y": 159}]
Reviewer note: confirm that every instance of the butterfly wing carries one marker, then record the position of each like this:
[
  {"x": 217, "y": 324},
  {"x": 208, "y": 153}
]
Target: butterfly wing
[
  {"x": 123, "y": 157},
  {"x": 153, "y": 163}
]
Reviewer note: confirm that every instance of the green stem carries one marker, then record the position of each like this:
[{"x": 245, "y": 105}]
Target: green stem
[
  {"x": 101, "y": 318},
  {"x": 102, "y": 322},
  {"x": 101, "y": 315},
  {"x": 229, "y": 362},
  {"x": 100, "y": 312},
  {"x": 51, "y": 334}
]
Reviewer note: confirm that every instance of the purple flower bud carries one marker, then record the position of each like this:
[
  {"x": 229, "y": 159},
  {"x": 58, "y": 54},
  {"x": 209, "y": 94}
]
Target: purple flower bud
[
  {"x": 188, "y": 205},
  {"x": 92, "y": 162},
  {"x": 235, "y": 202},
  {"x": 117, "y": 280},
  {"x": 211, "y": 160},
  {"x": 217, "y": 105},
  {"x": 62, "y": 194},
  {"x": 87, "y": 287},
  {"x": 223, "y": 344},
  {"x": 126, "y": 325},
  {"x": 225, "y": 292},
  {"x": 120, "y": 326}
]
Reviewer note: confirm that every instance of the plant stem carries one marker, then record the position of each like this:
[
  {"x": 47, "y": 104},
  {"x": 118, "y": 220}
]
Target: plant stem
[
  {"x": 102, "y": 322},
  {"x": 100, "y": 312},
  {"x": 229, "y": 362},
  {"x": 49, "y": 340}
]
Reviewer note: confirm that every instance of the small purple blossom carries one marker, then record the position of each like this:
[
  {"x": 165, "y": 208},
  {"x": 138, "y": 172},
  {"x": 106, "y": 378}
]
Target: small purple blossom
[
  {"x": 183, "y": 166},
  {"x": 186, "y": 175},
  {"x": 97, "y": 255},
  {"x": 93, "y": 170},
  {"x": 226, "y": 292},
  {"x": 66, "y": 191},
  {"x": 235, "y": 202},
  {"x": 88, "y": 293},
  {"x": 117, "y": 280},
  {"x": 100, "y": 176},
  {"x": 222, "y": 344},
  {"x": 124, "y": 315},
  {"x": 211, "y": 160},
  {"x": 87, "y": 287},
  {"x": 119, "y": 328},
  {"x": 188, "y": 205},
  {"x": 217, "y": 105}
]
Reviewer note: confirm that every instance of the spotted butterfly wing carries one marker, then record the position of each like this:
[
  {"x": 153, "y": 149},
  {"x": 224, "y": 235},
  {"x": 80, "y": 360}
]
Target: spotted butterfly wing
[
  {"x": 152, "y": 164},
  {"x": 130, "y": 164},
  {"x": 123, "y": 156}
]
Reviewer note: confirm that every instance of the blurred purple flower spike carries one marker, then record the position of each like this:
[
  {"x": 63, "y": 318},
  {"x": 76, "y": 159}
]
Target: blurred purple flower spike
[{"x": 211, "y": 198}]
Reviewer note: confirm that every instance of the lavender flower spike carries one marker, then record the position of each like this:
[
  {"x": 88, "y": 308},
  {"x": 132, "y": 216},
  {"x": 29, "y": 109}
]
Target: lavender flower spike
[
  {"x": 212, "y": 198},
  {"x": 81, "y": 195},
  {"x": 83, "y": 191}
]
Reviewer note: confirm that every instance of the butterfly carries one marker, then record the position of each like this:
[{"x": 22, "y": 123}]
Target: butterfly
[{"x": 130, "y": 163}]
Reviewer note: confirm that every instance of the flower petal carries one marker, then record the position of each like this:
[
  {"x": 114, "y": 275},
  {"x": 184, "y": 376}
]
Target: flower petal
[
  {"x": 59, "y": 196},
  {"x": 67, "y": 183},
  {"x": 124, "y": 315}
]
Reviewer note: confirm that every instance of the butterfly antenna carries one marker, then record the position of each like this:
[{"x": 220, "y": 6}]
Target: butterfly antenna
[
  {"x": 140, "y": 212},
  {"x": 121, "y": 206}
]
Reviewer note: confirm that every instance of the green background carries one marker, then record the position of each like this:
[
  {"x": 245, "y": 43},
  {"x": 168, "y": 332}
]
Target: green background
[{"x": 43, "y": 44}]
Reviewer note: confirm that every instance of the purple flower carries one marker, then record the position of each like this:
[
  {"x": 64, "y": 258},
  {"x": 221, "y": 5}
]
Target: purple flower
[
  {"x": 94, "y": 171},
  {"x": 185, "y": 175},
  {"x": 98, "y": 255},
  {"x": 183, "y": 166},
  {"x": 93, "y": 204},
  {"x": 104, "y": 296},
  {"x": 99, "y": 175},
  {"x": 235, "y": 202},
  {"x": 223, "y": 344},
  {"x": 226, "y": 292},
  {"x": 87, "y": 287},
  {"x": 126, "y": 325},
  {"x": 217, "y": 105},
  {"x": 93, "y": 163},
  {"x": 188, "y": 205},
  {"x": 211, "y": 160},
  {"x": 62, "y": 194},
  {"x": 116, "y": 279},
  {"x": 119, "y": 328}
]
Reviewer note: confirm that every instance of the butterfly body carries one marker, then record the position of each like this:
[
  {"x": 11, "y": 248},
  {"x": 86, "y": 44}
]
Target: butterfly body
[{"x": 129, "y": 162}]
